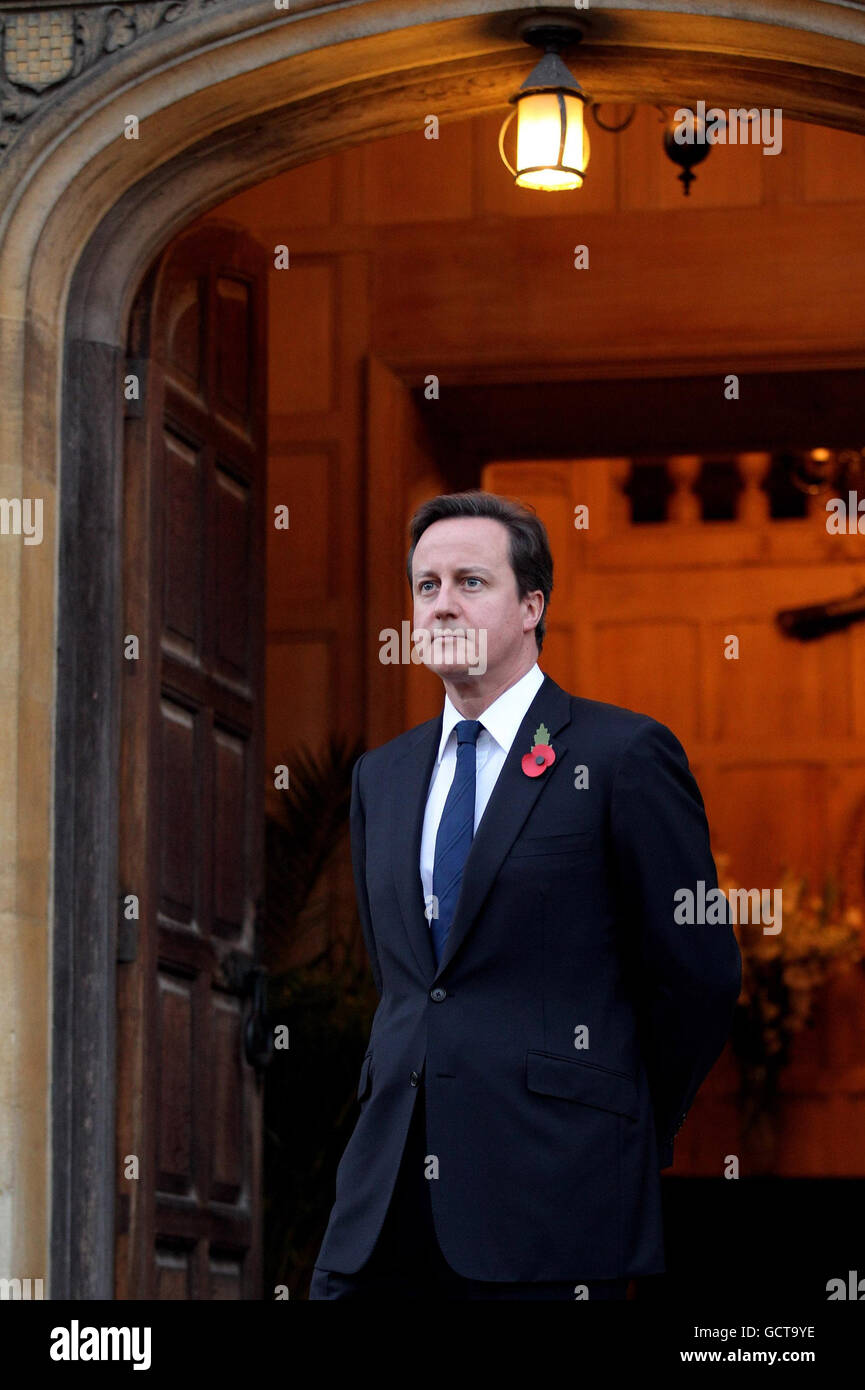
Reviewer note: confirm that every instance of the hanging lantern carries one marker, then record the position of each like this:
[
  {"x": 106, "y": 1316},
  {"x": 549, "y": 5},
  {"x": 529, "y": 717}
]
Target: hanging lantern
[{"x": 552, "y": 141}]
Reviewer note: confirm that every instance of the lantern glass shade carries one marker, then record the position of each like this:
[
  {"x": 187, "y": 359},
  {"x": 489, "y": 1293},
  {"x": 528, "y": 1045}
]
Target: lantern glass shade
[{"x": 552, "y": 141}]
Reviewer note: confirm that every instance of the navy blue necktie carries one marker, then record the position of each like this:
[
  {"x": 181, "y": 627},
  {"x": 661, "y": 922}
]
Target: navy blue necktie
[{"x": 455, "y": 833}]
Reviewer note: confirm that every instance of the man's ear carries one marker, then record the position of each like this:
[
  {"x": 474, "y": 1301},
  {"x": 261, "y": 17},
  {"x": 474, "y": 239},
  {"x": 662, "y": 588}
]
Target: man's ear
[{"x": 540, "y": 595}]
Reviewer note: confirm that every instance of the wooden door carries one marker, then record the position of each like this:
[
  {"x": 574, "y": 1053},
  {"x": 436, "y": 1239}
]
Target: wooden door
[{"x": 191, "y": 803}]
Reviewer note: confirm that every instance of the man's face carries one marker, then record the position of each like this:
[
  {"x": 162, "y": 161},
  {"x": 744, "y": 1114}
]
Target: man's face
[{"x": 462, "y": 582}]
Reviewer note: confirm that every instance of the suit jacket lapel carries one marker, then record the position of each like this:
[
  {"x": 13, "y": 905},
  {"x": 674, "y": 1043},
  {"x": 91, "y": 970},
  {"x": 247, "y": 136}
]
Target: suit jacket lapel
[{"x": 512, "y": 799}]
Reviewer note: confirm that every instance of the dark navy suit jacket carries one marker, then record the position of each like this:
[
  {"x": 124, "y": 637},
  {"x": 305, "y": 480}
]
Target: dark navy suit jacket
[{"x": 549, "y": 1154}]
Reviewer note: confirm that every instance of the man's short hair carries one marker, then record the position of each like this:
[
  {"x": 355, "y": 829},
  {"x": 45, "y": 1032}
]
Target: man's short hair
[{"x": 531, "y": 560}]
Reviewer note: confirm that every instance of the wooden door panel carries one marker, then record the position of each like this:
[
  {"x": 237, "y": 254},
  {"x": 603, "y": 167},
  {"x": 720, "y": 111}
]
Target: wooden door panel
[
  {"x": 193, "y": 719},
  {"x": 178, "y": 822},
  {"x": 229, "y": 854},
  {"x": 174, "y": 1086},
  {"x": 181, "y": 595},
  {"x": 233, "y": 540},
  {"x": 233, "y": 400},
  {"x": 173, "y": 1273},
  {"x": 227, "y": 1157}
]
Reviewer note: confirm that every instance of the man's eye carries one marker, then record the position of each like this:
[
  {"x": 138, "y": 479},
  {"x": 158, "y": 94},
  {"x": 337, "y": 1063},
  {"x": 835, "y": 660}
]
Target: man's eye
[{"x": 472, "y": 579}]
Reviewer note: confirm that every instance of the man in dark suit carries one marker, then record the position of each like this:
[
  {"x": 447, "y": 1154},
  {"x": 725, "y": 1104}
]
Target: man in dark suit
[{"x": 544, "y": 1022}]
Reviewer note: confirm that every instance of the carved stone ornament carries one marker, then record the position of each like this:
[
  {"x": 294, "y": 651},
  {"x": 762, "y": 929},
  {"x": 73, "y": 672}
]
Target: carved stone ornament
[{"x": 42, "y": 47}]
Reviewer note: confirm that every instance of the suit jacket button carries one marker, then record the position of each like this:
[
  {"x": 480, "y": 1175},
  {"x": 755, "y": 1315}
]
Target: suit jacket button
[
  {"x": 414, "y": 1078},
  {"x": 438, "y": 994}
]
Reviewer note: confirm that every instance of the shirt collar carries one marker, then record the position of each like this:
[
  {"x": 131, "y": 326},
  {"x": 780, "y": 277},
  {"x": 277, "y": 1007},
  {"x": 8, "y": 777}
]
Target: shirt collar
[{"x": 503, "y": 717}]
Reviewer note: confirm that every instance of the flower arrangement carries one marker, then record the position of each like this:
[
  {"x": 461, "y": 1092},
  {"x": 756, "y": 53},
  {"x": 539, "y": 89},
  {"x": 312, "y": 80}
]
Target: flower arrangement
[{"x": 782, "y": 975}]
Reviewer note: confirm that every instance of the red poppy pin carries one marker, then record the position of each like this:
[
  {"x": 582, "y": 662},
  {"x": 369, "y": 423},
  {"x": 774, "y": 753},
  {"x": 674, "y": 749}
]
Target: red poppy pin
[{"x": 541, "y": 756}]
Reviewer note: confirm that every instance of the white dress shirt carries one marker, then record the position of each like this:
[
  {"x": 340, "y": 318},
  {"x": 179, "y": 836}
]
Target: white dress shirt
[{"x": 500, "y": 722}]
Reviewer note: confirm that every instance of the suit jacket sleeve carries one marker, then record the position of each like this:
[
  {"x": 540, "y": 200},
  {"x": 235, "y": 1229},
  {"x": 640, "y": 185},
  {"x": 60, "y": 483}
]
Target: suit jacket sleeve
[
  {"x": 358, "y": 864},
  {"x": 687, "y": 977}
]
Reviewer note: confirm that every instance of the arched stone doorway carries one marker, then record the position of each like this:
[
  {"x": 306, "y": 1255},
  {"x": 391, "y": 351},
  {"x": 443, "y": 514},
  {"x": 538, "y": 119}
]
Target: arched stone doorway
[{"x": 85, "y": 212}]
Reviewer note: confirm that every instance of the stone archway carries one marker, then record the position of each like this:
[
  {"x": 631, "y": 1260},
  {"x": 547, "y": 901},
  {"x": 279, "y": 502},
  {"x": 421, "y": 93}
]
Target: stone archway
[{"x": 226, "y": 96}]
